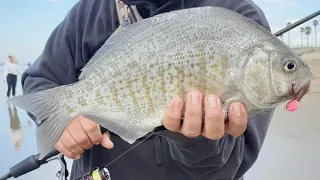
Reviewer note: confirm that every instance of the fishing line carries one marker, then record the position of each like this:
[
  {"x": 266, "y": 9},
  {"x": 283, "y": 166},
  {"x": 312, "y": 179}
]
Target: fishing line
[
  {"x": 102, "y": 173},
  {"x": 129, "y": 149}
]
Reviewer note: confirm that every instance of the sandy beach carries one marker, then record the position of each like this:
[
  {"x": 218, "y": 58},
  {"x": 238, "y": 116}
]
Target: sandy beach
[{"x": 290, "y": 151}]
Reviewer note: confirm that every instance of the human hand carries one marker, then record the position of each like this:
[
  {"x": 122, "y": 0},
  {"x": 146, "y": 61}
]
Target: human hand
[
  {"x": 81, "y": 134},
  {"x": 214, "y": 127}
]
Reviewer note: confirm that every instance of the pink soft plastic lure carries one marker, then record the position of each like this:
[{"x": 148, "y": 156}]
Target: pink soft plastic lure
[{"x": 292, "y": 105}]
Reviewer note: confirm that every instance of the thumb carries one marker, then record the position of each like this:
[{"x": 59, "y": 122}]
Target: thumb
[{"x": 106, "y": 142}]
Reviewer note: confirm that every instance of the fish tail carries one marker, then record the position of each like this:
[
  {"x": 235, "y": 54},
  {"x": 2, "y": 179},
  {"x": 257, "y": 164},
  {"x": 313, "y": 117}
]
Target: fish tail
[{"x": 50, "y": 118}]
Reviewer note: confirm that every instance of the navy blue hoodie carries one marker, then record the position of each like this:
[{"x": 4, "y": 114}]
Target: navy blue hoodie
[{"x": 168, "y": 156}]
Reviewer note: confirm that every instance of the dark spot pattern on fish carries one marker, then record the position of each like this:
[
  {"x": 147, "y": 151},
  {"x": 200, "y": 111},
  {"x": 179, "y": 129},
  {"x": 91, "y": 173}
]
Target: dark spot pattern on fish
[
  {"x": 203, "y": 70},
  {"x": 180, "y": 76},
  {"x": 132, "y": 94},
  {"x": 160, "y": 74},
  {"x": 147, "y": 93}
]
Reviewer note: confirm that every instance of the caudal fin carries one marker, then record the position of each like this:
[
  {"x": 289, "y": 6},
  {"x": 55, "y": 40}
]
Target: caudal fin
[{"x": 45, "y": 108}]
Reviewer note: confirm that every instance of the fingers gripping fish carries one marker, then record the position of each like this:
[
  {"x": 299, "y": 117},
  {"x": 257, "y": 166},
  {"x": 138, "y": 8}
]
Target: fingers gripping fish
[{"x": 129, "y": 82}]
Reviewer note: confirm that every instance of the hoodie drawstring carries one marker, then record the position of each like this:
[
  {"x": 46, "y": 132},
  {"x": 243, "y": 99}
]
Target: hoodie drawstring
[
  {"x": 164, "y": 6},
  {"x": 154, "y": 10},
  {"x": 147, "y": 4},
  {"x": 158, "y": 150}
]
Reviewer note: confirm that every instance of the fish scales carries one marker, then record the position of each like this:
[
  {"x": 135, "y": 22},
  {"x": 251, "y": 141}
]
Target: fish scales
[
  {"x": 139, "y": 54},
  {"x": 131, "y": 79},
  {"x": 146, "y": 97}
]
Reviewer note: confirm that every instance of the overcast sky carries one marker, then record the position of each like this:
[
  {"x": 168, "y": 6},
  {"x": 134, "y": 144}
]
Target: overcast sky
[{"x": 27, "y": 24}]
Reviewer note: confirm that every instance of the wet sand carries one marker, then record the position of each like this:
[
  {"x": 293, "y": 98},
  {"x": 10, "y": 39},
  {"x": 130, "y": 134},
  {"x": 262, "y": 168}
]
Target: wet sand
[
  {"x": 290, "y": 151},
  {"x": 18, "y": 139}
]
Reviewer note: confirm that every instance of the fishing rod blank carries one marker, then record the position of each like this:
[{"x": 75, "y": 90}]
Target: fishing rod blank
[{"x": 288, "y": 28}]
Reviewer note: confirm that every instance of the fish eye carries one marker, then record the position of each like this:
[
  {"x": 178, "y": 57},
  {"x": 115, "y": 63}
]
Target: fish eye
[{"x": 290, "y": 66}]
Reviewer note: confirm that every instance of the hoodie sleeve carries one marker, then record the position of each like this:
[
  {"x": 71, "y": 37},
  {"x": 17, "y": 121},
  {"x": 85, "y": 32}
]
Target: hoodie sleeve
[
  {"x": 70, "y": 46},
  {"x": 228, "y": 157}
]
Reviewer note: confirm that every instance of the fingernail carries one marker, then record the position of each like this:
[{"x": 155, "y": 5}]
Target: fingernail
[
  {"x": 176, "y": 103},
  {"x": 236, "y": 109},
  {"x": 212, "y": 101},
  {"x": 112, "y": 145},
  {"x": 194, "y": 98}
]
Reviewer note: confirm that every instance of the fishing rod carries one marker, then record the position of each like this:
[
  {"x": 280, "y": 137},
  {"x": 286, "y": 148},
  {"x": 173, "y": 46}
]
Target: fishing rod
[
  {"x": 32, "y": 162},
  {"x": 288, "y": 28}
]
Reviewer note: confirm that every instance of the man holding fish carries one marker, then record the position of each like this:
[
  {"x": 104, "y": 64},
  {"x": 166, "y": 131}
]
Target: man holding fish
[{"x": 202, "y": 146}]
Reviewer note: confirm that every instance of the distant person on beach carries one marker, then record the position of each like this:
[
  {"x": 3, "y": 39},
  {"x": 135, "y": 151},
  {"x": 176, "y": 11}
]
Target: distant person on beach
[
  {"x": 29, "y": 64},
  {"x": 11, "y": 71}
]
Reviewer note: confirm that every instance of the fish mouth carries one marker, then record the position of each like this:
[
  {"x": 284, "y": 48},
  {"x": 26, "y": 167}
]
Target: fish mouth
[{"x": 298, "y": 91}]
